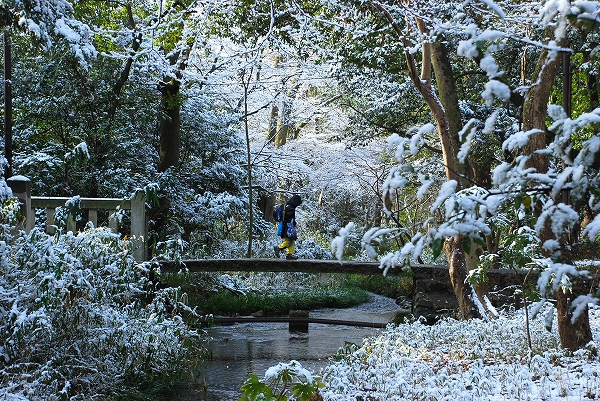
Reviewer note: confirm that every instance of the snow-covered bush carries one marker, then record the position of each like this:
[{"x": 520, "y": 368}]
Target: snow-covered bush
[
  {"x": 309, "y": 249},
  {"x": 475, "y": 360},
  {"x": 78, "y": 319}
]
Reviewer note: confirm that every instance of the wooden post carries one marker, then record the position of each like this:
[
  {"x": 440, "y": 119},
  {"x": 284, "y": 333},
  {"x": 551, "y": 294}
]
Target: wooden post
[
  {"x": 298, "y": 327},
  {"x": 113, "y": 224},
  {"x": 50, "y": 227},
  {"x": 138, "y": 226},
  {"x": 21, "y": 188},
  {"x": 71, "y": 224},
  {"x": 93, "y": 217}
]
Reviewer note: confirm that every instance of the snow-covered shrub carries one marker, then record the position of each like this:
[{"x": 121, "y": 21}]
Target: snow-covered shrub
[
  {"x": 309, "y": 249},
  {"x": 77, "y": 319},
  {"x": 475, "y": 360}
]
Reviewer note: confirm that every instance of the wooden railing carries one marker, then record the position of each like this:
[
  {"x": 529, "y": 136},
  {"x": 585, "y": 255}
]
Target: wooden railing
[{"x": 21, "y": 188}]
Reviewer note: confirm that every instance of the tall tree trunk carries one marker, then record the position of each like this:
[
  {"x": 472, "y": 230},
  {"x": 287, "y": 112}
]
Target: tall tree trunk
[
  {"x": 169, "y": 125},
  {"x": 246, "y": 84},
  {"x": 447, "y": 92},
  {"x": 447, "y": 116},
  {"x": 573, "y": 335},
  {"x": 124, "y": 76},
  {"x": 459, "y": 262},
  {"x": 273, "y": 116},
  {"x": 591, "y": 84},
  {"x": 8, "y": 137},
  {"x": 283, "y": 126},
  {"x": 535, "y": 111},
  {"x": 577, "y": 334}
]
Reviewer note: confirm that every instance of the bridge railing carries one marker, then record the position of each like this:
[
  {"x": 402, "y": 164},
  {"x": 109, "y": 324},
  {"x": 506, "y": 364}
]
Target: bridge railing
[{"x": 21, "y": 188}]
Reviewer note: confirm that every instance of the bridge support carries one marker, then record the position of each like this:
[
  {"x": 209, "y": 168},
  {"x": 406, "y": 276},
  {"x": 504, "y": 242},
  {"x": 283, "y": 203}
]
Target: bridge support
[{"x": 298, "y": 326}]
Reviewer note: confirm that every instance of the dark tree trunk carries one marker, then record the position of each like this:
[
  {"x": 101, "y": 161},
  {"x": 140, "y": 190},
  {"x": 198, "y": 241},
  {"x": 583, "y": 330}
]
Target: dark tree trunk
[
  {"x": 573, "y": 335},
  {"x": 8, "y": 141},
  {"x": 169, "y": 125}
]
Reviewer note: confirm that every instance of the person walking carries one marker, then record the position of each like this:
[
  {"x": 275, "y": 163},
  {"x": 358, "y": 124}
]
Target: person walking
[{"x": 288, "y": 232}]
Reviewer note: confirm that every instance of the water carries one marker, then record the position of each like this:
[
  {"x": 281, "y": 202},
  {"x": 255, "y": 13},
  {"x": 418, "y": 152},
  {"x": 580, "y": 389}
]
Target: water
[{"x": 244, "y": 348}]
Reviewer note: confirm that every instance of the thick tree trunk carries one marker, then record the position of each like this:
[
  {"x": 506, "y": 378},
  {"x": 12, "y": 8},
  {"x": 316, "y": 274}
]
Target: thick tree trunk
[
  {"x": 285, "y": 127},
  {"x": 535, "y": 111},
  {"x": 447, "y": 91},
  {"x": 573, "y": 335},
  {"x": 169, "y": 125},
  {"x": 457, "y": 264},
  {"x": 460, "y": 263},
  {"x": 124, "y": 76},
  {"x": 283, "y": 130}
]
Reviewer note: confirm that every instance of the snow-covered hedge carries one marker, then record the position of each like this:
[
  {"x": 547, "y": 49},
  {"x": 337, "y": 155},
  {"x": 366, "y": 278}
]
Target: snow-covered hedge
[{"x": 77, "y": 319}]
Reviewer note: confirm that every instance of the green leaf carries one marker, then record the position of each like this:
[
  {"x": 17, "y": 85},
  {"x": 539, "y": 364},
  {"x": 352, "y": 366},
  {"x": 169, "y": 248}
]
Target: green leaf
[
  {"x": 466, "y": 245},
  {"x": 253, "y": 388},
  {"x": 303, "y": 391},
  {"x": 287, "y": 375},
  {"x": 436, "y": 247},
  {"x": 479, "y": 241}
]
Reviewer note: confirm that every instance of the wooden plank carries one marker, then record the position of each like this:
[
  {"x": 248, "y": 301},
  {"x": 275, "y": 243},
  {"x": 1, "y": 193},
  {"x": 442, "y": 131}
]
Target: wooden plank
[
  {"x": 265, "y": 319},
  {"x": 436, "y": 273},
  {"x": 86, "y": 203},
  {"x": 272, "y": 265}
]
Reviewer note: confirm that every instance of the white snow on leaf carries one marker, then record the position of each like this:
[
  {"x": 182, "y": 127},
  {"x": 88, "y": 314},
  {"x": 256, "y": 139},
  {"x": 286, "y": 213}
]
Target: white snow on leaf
[
  {"x": 293, "y": 366},
  {"x": 556, "y": 276},
  {"x": 371, "y": 237},
  {"x": 489, "y": 65},
  {"x": 555, "y": 13},
  {"x": 518, "y": 140},
  {"x": 561, "y": 180},
  {"x": 592, "y": 229},
  {"x": 426, "y": 182},
  {"x": 495, "y": 8},
  {"x": 580, "y": 304},
  {"x": 446, "y": 191},
  {"x": 469, "y": 129},
  {"x": 338, "y": 243},
  {"x": 495, "y": 89}
]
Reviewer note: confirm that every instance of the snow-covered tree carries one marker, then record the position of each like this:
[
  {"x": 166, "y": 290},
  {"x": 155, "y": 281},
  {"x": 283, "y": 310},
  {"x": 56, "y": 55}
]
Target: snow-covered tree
[{"x": 530, "y": 167}]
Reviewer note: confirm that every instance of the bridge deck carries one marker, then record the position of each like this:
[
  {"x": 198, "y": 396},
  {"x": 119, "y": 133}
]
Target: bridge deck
[{"x": 420, "y": 271}]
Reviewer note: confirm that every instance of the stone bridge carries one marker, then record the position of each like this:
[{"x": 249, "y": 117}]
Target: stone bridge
[
  {"x": 432, "y": 294},
  {"x": 434, "y": 273}
]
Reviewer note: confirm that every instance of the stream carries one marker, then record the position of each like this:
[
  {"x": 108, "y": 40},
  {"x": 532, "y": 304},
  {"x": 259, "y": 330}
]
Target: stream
[{"x": 242, "y": 348}]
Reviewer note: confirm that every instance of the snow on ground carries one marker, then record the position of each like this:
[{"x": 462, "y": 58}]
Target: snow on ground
[{"x": 466, "y": 360}]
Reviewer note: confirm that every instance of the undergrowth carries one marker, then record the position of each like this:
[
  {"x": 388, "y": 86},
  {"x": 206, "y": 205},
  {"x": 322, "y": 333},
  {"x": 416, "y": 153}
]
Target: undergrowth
[{"x": 227, "y": 303}]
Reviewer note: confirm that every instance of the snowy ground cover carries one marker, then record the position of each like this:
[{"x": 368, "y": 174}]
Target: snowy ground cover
[{"x": 466, "y": 360}]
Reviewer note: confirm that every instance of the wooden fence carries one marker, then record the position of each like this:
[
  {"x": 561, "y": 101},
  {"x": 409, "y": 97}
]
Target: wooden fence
[{"x": 21, "y": 188}]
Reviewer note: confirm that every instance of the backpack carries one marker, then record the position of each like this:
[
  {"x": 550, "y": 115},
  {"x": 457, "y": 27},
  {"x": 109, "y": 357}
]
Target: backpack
[
  {"x": 292, "y": 233},
  {"x": 278, "y": 212}
]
